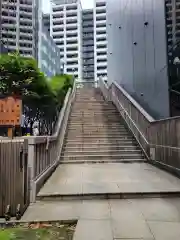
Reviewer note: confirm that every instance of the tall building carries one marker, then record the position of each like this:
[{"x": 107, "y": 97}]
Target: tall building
[
  {"x": 46, "y": 21},
  {"x": 137, "y": 52},
  {"x": 66, "y": 30},
  {"x": 20, "y": 25},
  {"x": 100, "y": 39},
  {"x": 49, "y": 54},
  {"x": 172, "y": 8},
  {"x": 88, "y": 44}
]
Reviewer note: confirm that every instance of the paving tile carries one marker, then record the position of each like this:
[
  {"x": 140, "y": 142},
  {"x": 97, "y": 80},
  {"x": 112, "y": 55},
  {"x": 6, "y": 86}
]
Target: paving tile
[
  {"x": 62, "y": 189},
  {"x": 127, "y": 222},
  {"x": 109, "y": 178},
  {"x": 95, "y": 209},
  {"x": 160, "y": 209},
  {"x": 100, "y": 187},
  {"x": 49, "y": 211},
  {"x": 165, "y": 230},
  {"x": 93, "y": 230}
]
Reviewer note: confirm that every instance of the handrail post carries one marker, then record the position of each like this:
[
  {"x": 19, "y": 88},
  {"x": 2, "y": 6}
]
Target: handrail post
[{"x": 31, "y": 168}]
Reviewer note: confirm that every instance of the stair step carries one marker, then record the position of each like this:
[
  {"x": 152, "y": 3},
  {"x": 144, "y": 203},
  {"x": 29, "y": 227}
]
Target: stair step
[
  {"x": 83, "y": 161},
  {"x": 107, "y": 145},
  {"x": 100, "y": 152},
  {"x": 100, "y": 132},
  {"x": 96, "y": 130},
  {"x": 94, "y": 122},
  {"x": 101, "y": 137},
  {"x": 102, "y": 141},
  {"x": 104, "y": 147},
  {"x": 107, "y": 195},
  {"x": 99, "y": 157},
  {"x": 90, "y": 101},
  {"x": 98, "y": 125}
]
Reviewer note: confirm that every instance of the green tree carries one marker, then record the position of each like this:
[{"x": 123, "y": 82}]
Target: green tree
[
  {"x": 21, "y": 77},
  {"x": 60, "y": 85}
]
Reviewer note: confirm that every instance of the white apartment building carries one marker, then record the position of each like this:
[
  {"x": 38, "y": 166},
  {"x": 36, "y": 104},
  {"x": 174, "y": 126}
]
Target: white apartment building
[
  {"x": 20, "y": 25},
  {"x": 100, "y": 39},
  {"x": 66, "y": 30}
]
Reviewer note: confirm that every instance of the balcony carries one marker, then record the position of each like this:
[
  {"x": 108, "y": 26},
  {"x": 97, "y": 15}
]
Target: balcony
[
  {"x": 57, "y": 29},
  {"x": 101, "y": 37},
  {"x": 72, "y": 41},
  {"x": 57, "y": 22},
  {"x": 57, "y": 9},
  {"x": 71, "y": 14},
  {"x": 72, "y": 47},
  {"x": 101, "y": 52},
  {"x": 71, "y": 27},
  {"x": 100, "y": 24}
]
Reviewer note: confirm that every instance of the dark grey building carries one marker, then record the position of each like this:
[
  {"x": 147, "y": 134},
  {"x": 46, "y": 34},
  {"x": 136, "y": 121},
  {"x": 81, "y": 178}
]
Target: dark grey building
[
  {"x": 88, "y": 44},
  {"x": 46, "y": 21},
  {"x": 172, "y": 8},
  {"x": 137, "y": 52}
]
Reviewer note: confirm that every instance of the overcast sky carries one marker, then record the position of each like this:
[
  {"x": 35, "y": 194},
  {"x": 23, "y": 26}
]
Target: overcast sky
[{"x": 85, "y": 4}]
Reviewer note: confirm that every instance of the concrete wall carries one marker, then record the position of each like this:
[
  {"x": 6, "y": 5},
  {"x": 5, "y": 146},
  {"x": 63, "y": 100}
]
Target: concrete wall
[{"x": 142, "y": 68}]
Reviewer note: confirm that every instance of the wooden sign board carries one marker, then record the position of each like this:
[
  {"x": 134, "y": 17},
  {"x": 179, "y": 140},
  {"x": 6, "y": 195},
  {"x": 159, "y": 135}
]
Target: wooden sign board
[{"x": 10, "y": 111}]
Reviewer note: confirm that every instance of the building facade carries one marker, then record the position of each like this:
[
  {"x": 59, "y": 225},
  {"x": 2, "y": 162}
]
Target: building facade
[
  {"x": 49, "y": 55},
  {"x": 20, "y": 26},
  {"x": 66, "y": 30},
  {"x": 172, "y": 8},
  {"x": 137, "y": 52},
  {"x": 46, "y": 21},
  {"x": 100, "y": 39},
  {"x": 88, "y": 44}
]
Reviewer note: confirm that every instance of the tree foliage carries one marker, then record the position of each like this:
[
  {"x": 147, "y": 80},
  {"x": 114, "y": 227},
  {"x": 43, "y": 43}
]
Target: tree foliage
[{"x": 42, "y": 99}]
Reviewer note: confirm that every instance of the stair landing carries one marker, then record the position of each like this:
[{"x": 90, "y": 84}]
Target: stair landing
[{"x": 115, "y": 180}]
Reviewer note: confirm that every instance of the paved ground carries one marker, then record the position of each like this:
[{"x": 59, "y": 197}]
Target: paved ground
[
  {"x": 118, "y": 219},
  {"x": 109, "y": 178},
  {"x": 137, "y": 219}
]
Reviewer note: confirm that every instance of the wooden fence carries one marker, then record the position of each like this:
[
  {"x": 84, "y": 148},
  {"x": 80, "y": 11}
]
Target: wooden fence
[
  {"x": 14, "y": 182},
  {"x": 160, "y": 140},
  {"x": 26, "y": 163}
]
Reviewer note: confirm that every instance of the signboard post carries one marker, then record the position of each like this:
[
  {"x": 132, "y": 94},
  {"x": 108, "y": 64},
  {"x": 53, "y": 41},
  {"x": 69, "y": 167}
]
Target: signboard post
[{"x": 10, "y": 114}]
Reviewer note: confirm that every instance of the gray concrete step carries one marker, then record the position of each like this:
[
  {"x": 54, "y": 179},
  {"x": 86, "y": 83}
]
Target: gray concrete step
[
  {"x": 110, "y": 195},
  {"x": 97, "y": 125},
  {"x": 95, "y": 132},
  {"x": 105, "y": 156},
  {"x": 100, "y": 144},
  {"x": 95, "y": 122},
  {"x": 99, "y": 147},
  {"x": 101, "y": 137},
  {"x": 119, "y": 141},
  {"x": 86, "y": 129},
  {"x": 98, "y": 135},
  {"x": 106, "y": 152},
  {"x": 101, "y": 161}
]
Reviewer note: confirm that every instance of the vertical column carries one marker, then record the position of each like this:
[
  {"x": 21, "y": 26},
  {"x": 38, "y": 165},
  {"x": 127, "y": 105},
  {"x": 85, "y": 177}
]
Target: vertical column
[{"x": 31, "y": 169}]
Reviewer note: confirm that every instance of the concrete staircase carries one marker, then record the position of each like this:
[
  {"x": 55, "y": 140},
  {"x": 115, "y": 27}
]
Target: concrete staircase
[{"x": 96, "y": 133}]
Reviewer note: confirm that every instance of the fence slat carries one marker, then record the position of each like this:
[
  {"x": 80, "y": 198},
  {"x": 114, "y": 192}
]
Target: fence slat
[{"x": 11, "y": 175}]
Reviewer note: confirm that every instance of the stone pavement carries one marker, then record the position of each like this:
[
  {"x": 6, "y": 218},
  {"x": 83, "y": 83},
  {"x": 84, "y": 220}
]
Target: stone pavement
[
  {"x": 113, "y": 178},
  {"x": 132, "y": 219}
]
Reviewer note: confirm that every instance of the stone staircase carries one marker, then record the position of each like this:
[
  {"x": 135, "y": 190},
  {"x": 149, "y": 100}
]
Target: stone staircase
[{"x": 96, "y": 133}]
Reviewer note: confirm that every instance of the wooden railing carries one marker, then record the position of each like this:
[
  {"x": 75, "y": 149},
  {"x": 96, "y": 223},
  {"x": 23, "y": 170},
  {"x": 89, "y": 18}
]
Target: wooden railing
[
  {"x": 14, "y": 180},
  {"x": 44, "y": 152},
  {"x": 160, "y": 140}
]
